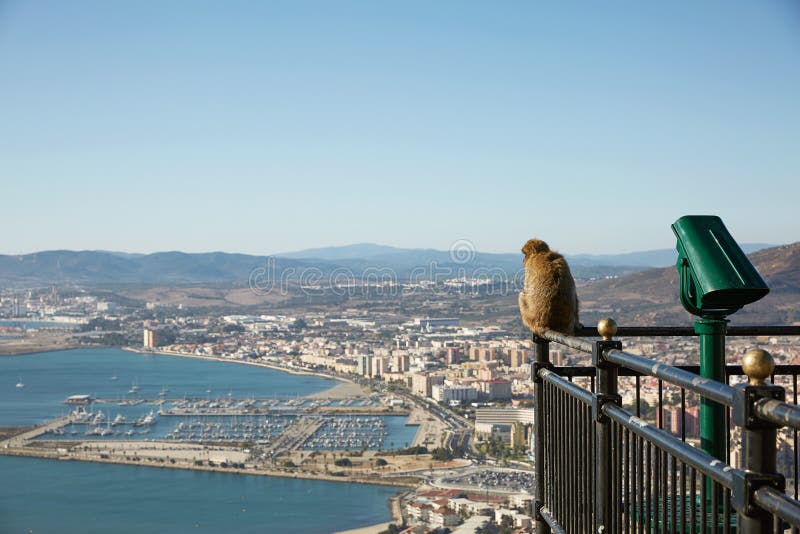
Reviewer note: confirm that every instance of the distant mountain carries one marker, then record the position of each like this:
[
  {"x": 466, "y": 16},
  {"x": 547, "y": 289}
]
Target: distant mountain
[
  {"x": 162, "y": 268},
  {"x": 419, "y": 256},
  {"x": 356, "y": 251},
  {"x": 165, "y": 268},
  {"x": 651, "y": 297}
]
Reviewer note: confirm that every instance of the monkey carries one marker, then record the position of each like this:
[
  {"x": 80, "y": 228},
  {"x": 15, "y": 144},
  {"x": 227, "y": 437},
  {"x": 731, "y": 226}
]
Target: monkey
[{"x": 549, "y": 300}]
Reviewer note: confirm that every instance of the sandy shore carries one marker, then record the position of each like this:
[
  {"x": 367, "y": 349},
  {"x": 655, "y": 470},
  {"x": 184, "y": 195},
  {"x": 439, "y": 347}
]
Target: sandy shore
[
  {"x": 373, "y": 529},
  {"x": 345, "y": 389}
]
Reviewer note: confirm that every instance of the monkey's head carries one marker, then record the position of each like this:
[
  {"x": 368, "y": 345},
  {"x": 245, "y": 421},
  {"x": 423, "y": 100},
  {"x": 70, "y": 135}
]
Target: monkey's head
[{"x": 535, "y": 246}]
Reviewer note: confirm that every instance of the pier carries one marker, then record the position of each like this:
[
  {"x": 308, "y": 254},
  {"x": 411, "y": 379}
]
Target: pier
[
  {"x": 20, "y": 439},
  {"x": 191, "y": 407}
]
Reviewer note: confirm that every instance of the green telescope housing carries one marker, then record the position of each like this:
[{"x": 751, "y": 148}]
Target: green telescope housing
[{"x": 716, "y": 278}]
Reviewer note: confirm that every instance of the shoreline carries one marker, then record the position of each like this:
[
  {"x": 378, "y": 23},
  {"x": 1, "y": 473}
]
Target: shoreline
[
  {"x": 346, "y": 387},
  {"x": 275, "y": 473},
  {"x": 274, "y": 367}
]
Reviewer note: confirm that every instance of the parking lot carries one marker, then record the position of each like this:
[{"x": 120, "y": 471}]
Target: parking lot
[{"x": 507, "y": 480}]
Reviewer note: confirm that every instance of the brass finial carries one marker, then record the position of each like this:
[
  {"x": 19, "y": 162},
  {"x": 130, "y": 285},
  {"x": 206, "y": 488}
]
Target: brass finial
[
  {"x": 758, "y": 365},
  {"x": 607, "y": 328}
]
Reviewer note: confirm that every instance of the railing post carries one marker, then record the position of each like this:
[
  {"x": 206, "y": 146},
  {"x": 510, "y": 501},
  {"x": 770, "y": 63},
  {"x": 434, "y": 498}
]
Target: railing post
[
  {"x": 541, "y": 358},
  {"x": 607, "y": 374},
  {"x": 759, "y": 445}
]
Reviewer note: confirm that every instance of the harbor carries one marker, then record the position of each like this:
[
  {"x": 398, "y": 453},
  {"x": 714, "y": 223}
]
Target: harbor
[{"x": 338, "y": 424}]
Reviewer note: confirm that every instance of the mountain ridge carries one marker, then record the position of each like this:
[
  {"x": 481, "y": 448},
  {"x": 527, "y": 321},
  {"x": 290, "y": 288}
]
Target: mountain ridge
[{"x": 176, "y": 267}]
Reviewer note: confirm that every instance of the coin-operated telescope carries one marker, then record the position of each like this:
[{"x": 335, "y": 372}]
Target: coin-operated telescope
[{"x": 716, "y": 278}]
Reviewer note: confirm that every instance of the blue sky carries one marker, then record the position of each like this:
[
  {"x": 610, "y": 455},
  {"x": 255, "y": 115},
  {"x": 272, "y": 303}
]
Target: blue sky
[{"x": 262, "y": 127}]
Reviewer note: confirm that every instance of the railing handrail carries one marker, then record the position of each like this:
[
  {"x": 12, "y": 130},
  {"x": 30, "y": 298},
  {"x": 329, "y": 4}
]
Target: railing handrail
[
  {"x": 688, "y": 331},
  {"x": 779, "y": 412},
  {"x": 705, "y": 463},
  {"x": 732, "y": 370},
  {"x": 758, "y": 409},
  {"x": 583, "y": 395},
  {"x": 711, "y": 389}
]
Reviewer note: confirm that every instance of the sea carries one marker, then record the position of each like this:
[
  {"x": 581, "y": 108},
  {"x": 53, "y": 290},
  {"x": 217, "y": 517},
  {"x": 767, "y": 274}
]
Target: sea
[{"x": 53, "y": 496}]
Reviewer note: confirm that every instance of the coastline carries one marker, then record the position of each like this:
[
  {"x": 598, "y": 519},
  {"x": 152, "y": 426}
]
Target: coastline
[
  {"x": 377, "y": 481},
  {"x": 342, "y": 387},
  {"x": 272, "y": 366}
]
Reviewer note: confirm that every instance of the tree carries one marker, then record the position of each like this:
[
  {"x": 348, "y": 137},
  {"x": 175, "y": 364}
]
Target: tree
[{"x": 441, "y": 454}]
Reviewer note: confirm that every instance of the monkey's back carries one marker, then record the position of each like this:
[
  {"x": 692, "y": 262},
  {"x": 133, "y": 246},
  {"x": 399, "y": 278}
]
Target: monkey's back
[{"x": 549, "y": 301}]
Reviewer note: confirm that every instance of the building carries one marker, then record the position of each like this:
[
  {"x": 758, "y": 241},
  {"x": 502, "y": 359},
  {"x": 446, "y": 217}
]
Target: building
[
  {"x": 107, "y": 306},
  {"x": 380, "y": 366},
  {"x": 504, "y": 415},
  {"x": 150, "y": 338},
  {"x": 364, "y": 365},
  {"x": 443, "y": 517},
  {"x": 496, "y": 389},
  {"x": 481, "y": 354},
  {"x": 519, "y": 357},
  {"x": 430, "y": 322},
  {"x": 422, "y": 383},
  {"x": 454, "y": 394},
  {"x": 452, "y": 355},
  {"x": 400, "y": 363},
  {"x": 488, "y": 431}
]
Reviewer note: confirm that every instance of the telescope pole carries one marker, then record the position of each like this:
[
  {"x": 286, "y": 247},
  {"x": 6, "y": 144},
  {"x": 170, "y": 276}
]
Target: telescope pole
[{"x": 712, "y": 366}]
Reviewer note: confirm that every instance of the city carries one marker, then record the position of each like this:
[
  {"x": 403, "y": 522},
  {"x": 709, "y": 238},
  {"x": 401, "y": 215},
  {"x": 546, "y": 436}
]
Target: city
[{"x": 465, "y": 389}]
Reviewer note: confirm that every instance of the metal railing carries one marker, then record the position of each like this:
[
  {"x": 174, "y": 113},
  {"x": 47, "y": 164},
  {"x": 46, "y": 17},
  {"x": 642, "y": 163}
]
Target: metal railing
[{"x": 601, "y": 468}]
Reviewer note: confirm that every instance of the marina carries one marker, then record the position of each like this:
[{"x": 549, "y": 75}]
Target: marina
[
  {"x": 202, "y": 424},
  {"x": 250, "y": 420}
]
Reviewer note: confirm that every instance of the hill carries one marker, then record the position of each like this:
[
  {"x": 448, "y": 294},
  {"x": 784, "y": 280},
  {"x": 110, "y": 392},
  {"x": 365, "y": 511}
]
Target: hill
[
  {"x": 210, "y": 268},
  {"x": 651, "y": 297}
]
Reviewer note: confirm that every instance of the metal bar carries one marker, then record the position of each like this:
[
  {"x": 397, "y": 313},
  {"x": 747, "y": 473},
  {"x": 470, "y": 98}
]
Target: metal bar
[
  {"x": 582, "y": 452},
  {"x": 682, "y": 493},
  {"x": 638, "y": 396},
  {"x": 673, "y": 479},
  {"x": 550, "y": 450},
  {"x": 726, "y": 512},
  {"x": 648, "y": 491},
  {"x": 588, "y": 443},
  {"x": 550, "y": 522},
  {"x": 714, "y": 510},
  {"x": 692, "y": 499},
  {"x": 794, "y": 431},
  {"x": 701, "y": 461},
  {"x": 616, "y": 498},
  {"x": 703, "y": 503},
  {"x": 569, "y": 480},
  {"x": 683, "y": 414},
  {"x": 540, "y": 355},
  {"x": 656, "y": 482},
  {"x": 569, "y": 341},
  {"x": 687, "y": 331},
  {"x": 731, "y": 370},
  {"x": 710, "y": 389},
  {"x": 639, "y": 482},
  {"x": 558, "y": 505},
  {"x": 778, "y": 412},
  {"x": 758, "y": 456},
  {"x": 566, "y": 386},
  {"x": 626, "y": 483},
  {"x": 606, "y": 386},
  {"x": 779, "y": 504}
]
